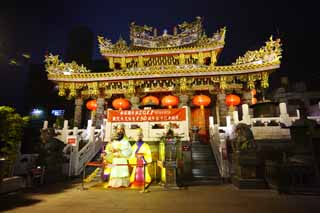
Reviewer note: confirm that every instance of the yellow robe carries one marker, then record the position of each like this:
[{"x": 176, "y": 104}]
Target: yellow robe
[{"x": 145, "y": 150}]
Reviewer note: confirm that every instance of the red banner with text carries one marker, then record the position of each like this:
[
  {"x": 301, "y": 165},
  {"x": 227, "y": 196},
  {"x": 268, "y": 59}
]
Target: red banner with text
[{"x": 147, "y": 115}]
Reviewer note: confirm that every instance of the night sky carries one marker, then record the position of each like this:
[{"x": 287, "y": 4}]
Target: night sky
[{"x": 35, "y": 28}]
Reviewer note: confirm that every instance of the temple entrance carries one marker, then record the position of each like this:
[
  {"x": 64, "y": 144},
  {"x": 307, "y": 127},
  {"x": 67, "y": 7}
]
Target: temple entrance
[{"x": 200, "y": 118}]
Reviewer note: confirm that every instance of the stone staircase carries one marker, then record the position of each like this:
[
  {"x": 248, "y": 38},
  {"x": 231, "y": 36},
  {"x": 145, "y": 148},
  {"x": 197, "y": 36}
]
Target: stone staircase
[{"x": 204, "y": 166}]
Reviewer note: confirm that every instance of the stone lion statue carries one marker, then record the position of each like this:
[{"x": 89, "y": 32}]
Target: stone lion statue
[{"x": 243, "y": 139}]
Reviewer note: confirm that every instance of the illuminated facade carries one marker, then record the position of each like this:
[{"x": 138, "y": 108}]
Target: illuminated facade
[{"x": 182, "y": 64}]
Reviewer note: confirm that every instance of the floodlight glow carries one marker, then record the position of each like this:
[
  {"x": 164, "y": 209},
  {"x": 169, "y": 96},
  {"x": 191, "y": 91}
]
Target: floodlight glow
[{"x": 36, "y": 111}]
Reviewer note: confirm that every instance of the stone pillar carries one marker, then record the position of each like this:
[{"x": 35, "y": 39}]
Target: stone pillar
[
  {"x": 183, "y": 100},
  {"x": 246, "y": 118},
  {"x": 284, "y": 116},
  {"x": 223, "y": 109},
  {"x": 246, "y": 99},
  {"x": 78, "y": 112},
  {"x": 99, "y": 112},
  {"x": 135, "y": 101}
]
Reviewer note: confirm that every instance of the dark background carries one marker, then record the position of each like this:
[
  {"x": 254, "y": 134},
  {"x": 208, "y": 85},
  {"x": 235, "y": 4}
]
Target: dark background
[{"x": 39, "y": 27}]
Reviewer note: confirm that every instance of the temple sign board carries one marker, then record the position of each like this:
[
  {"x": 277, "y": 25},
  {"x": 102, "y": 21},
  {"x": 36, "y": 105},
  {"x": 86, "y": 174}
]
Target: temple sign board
[{"x": 153, "y": 122}]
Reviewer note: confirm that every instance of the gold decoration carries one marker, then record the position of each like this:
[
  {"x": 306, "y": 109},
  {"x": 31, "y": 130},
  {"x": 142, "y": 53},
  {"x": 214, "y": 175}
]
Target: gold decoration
[
  {"x": 271, "y": 52},
  {"x": 73, "y": 92},
  {"x": 62, "y": 91},
  {"x": 55, "y": 66},
  {"x": 264, "y": 80},
  {"x": 250, "y": 83},
  {"x": 223, "y": 82}
]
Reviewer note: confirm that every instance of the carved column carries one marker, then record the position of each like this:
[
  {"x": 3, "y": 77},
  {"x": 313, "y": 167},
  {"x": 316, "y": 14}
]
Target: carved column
[
  {"x": 183, "y": 100},
  {"x": 181, "y": 59},
  {"x": 99, "y": 112},
  {"x": 246, "y": 99},
  {"x": 135, "y": 101},
  {"x": 111, "y": 63},
  {"x": 200, "y": 58},
  {"x": 213, "y": 58},
  {"x": 223, "y": 109},
  {"x": 123, "y": 63},
  {"x": 78, "y": 102},
  {"x": 140, "y": 61}
]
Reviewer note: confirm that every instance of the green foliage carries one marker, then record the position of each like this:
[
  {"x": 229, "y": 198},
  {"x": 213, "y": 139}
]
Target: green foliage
[{"x": 11, "y": 132}]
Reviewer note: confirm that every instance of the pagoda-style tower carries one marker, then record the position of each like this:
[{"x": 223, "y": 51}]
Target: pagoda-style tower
[{"x": 183, "y": 63}]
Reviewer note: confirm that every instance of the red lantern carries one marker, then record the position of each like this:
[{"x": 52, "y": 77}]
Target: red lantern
[
  {"x": 253, "y": 101},
  {"x": 253, "y": 92},
  {"x": 120, "y": 103},
  {"x": 232, "y": 100},
  {"x": 150, "y": 100},
  {"x": 201, "y": 100},
  {"x": 169, "y": 101},
  {"x": 91, "y": 105}
]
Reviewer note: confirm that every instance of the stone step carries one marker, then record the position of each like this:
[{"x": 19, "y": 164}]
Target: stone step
[
  {"x": 212, "y": 180},
  {"x": 201, "y": 149},
  {"x": 203, "y": 167},
  {"x": 204, "y": 173},
  {"x": 203, "y": 158}
]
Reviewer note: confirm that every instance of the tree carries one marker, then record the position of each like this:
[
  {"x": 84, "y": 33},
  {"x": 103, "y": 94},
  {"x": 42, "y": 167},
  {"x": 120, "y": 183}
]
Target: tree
[{"x": 11, "y": 133}]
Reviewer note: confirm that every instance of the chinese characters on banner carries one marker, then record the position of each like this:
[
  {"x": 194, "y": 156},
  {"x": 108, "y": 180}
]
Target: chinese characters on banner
[{"x": 147, "y": 115}]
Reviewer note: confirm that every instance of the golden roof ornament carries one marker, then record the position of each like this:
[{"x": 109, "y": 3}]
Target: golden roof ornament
[
  {"x": 271, "y": 52},
  {"x": 121, "y": 45},
  {"x": 54, "y": 65}
]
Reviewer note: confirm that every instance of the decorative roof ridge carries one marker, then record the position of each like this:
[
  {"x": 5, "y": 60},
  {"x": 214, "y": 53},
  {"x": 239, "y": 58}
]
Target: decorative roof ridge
[
  {"x": 54, "y": 65},
  {"x": 269, "y": 53},
  {"x": 221, "y": 70},
  {"x": 200, "y": 40},
  {"x": 105, "y": 52}
]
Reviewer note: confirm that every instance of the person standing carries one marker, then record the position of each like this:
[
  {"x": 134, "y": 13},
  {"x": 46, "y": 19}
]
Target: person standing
[
  {"x": 118, "y": 152},
  {"x": 141, "y": 155}
]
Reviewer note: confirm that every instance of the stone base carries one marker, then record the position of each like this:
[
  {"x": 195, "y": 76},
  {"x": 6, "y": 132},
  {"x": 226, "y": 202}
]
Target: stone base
[{"x": 249, "y": 183}]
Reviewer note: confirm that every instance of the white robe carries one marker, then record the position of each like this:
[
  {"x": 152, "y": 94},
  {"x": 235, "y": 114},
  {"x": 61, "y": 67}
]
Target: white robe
[{"x": 119, "y": 175}]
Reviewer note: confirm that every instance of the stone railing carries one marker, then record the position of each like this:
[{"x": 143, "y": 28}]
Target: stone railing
[
  {"x": 78, "y": 156},
  {"x": 265, "y": 128},
  {"x": 218, "y": 145}
]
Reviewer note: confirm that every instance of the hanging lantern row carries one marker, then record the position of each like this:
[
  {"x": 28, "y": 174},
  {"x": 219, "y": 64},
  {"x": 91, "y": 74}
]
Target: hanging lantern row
[
  {"x": 120, "y": 103},
  {"x": 201, "y": 101},
  {"x": 169, "y": 101},
  {"x": 150, "y": 101},
  {"x": 92, "y": 105},
  {"x": 253, "y": 99},
  {"x": 232, "y": 100}
]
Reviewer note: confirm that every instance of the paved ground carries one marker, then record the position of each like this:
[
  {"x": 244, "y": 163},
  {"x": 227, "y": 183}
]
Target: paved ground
[{"x": 214, "y": 199}]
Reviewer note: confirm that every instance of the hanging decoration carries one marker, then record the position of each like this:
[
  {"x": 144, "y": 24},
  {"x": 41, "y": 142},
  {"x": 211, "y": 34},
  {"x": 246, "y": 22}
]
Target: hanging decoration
[
  {"x": 150, "y": 101},
  {"x": 232, "y": 100},
  {"x": 201, "y": 101},
  {"x": 169, "y": 101},
  {"x": 253, "y": 98},
  {"x": 120, "y": 103},
  {"x": 92, "y": 105}
]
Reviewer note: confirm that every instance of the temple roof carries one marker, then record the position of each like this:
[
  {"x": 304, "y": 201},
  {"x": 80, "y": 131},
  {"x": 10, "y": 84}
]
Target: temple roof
[
  {"x": 178, "y": 71},
  {"x": 182, "y": 68},
  {"x": 186, "y": 36}
]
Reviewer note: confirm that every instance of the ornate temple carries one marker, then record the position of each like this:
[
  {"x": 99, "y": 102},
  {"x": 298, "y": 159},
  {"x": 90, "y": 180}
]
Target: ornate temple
[
  {"x": 161, "y": 81},
  {"x": 183, "y": 64}
]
